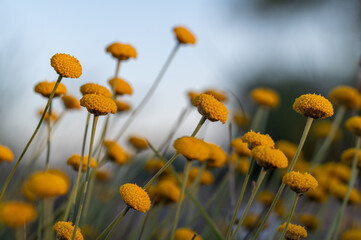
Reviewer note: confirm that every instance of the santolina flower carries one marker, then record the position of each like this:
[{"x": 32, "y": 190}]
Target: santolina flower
[
  {"x": 192, "y": 95},
  {"x": 135, "y": 197},
  {"x": 184, "y": 36},
  {"x": 257, "y": 139},
  {"x": 192, "y": 148},
  {"x": 122, "y": 106},
  {"x": 293, "y": 231},
  {"x": 300, "y": 182},
  {"x": 139, "y": 143},
  {"x": 16, "y": 214},
  {"x": 66, "y": 65},
  {"x": 98, "y": 104},
  {"x": 348, "y": 155},
  {"x": 121, "y": 51},
  {"x": 240, "y": 147},
  {"x": 74, "y": 161},
  {"x": 168, "y": 190},
  {"x": 93, "y": 88},
  {"x": 218, "y": 156},
  {"x": 217, "y": 94},
  {"x": 102, "y": 175},
  {"x": 269, "y": 157},
  {"x": 45, "y": 88},
  {"x": 313, "y": 106},
  {"x": 64, "y": 231},
  {"x": 318, "y": 195},
  {"x": 353, "y": 124},
  {"x": 338, "y": 170},
  {"x": 48, "y": 184},
  {"x": 71, "y": 102},
  {"x": 6, "y": 155},
  {"x": 153, "y": 165},
  {"x": 115, "y": 152},
  {"x": 345, "y": 96},
  {"x": 352, "y": 234},
  {"x": 211, "y": 108},
  {"x": 122, "y": 87},
  {"x": 309, "y": 221},
  {"x": 185, "y": 234},
  {"x": 265, "y": 97}
]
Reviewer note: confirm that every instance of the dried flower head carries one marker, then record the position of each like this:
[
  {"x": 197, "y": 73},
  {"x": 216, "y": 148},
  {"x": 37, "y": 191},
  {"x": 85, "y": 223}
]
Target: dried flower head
[
  {"x": 240, "y": 147},
  {"x": 309, "y": 221},
  {"x": 185, "y": 234},
  {"x": 353, "y": 124},
  {"x": 93, "y": 88},
  {"x": 269, "y": 157},
  {"x": 211, "y": 108},
  {"x": 300, "y": 182},
  {"x": 243, "y": 165},
  {"x": 339, "y": 191},
  {"x": 192, "y": 148},
  {"x": 139, "y": 143},
  {"x": 64, "y": 231},
  {"x": 218, "y": 156},
  {"x": 294, "y": 232},
  {"x": 66, "y": 65},
  {"x": 254, "y": 139},
  {"x": 168, "y": 190},
  {"x": 6, "y": 155},
  {"x": 16, "y": 214},
  {"x": 135, "y": 197},
  {"x": 313, "y": 106},
  {"x": 288, "y": 148},
  {"x": 352, "y": 234},
  {"x": 206, "y": 178},
  {"x": 348, "y": 155},
  {"x": 74, "y": 161},
  {"x": 47, "y": 184},
  {"x": 184, "y": 36},
  {"x": 121, "y": 51},
  {"x": 266, "y": 97},
  {"x": 345, "y": 96},
  {"x": 122, "y": 87},
  {"x": 266, "y": 198},
  {"x": 70, "y": 102},
  {"x": 122, "y": 106},
  {"x": 98, "y": 104},
  {"x": 217, "y": 94},
  {"x": 115, "y": 152},
  {"x": 45, "y": 88}
]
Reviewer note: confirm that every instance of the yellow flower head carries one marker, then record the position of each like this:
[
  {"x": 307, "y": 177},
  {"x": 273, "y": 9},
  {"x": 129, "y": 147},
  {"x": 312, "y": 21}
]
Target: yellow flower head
[
  {"x": 254, "y": 139},
  {"x": 240, "y": 147},
  {"x": 211, "y": 108},
  {"x": 102, "y": 175},
  {"x": 338, "y": 170},
  {"x": 184, "y": 36},
  {"x": 122, "y": 106},
  {"x": 242, "y": 120},
  {"x": 218, "y": 156},
  {"x": 192, "y": 95},
  {"x": 269, "y": 157},
  {"x": 16, "y": 214},
  {"x": 321, "y": 129},
  {"x": 353, "y": 124},
  {"x": 153, "y": 165},
  {"x": 265, "y": 97},
  {"x": 64, "y": 231},
  {"x": 122, "y": 87},
  {"x": 115, "y": 152},
  {"x": 300, "y": 182},
  {"x": 339, "y": 191},
  {"x": 45, "y": 88},
  {"x": 309, "y": 221},
  {"x": 6, "y": 155},
  {"x": 121, "y": 51},
  {"x": 266, "y": 198},
  {"x": 135, "y": 197},
  {"x": 93, "y": 88},
  {"x": 185, "y": 234},
  {"x": 206, "y": 178},
  {"x": 71, "y": 102},
  {"x": 192, "y": 148},
  {"x": 139, "y": 143},
  {"x": 348, "y": 155},
  {"x": 98, "y": 104},
  {"x": 288, "y": 148},
  {"x": 54, "y": 116},
  {"x": 243, "y": 165},
  {"x": 168, "y": 190},
  {"x": 66, "y": 65},
  {"x": 217, "y": 94},
  {"x": 318, "y": 195},
  {"x": 313, "y": 106},
  {"x": 47, "y": 184},
  {"x": 345, "y": 96},
  {"x": 353, "y": 234},
  {"x": 74, "y": 161},
  {"x": 293, "y": 231}
]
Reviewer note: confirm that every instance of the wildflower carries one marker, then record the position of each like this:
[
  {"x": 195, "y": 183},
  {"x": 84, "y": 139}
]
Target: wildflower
[
  {"x": 300, "y": 182},
  {"x": 243, "y": 165},
  {"x": 309, "y": 221},
  {"x": 266, "y": 198},
  {"x": 45, "y": 88},
  {"x": 345, "y": 96},
  {"x": 122, "y": 106},
  {"x": 217, "y": 94},
  {"x": 47, "y": 184},
  {"x": 254, "y": 139},
  {"x": 168, "y": 190},
  {"x": 98, "y": 104},
  {"x": 339, "y": 191},
  {"x": 139, "y": 143},
  {"x": 265, "y": 97},
  {"x": 242, "y": 120},
  {"x": 211, "y": 108},
  {"x": 121, "y": 51},
  {"x": 348, "y": 155},
  {"x": 288, "y": 148},
  {"x": 318, "y": 195},
  {"x": 54, "y": 117},
  {"x": 269, "y": 157},
  {"x": 206, "y": 178},
  {"x": 185, "y": 234},
  {"x": 122, "y": 87},
  {"x": 313, "y": 106},
  {"x": 184, "y": 36},
  {"x": 93, "y": 88},
  {"x": 192, "y": 95},
  {"x": 322, "y": 129},
  {"x": 353, "y": 124},
  {"x": 64, "y": 231},
  {"x": 352, "y": 234},
  {"x": 66, "y": 65},
  {"x": 6, "y": 155},
  {"x": 192, "y": 148},
  {"x": 16, "y": 214},
  {"x": 218, "y": 156},
  {"x": 338, "y": 170},
  {"x": 71, "y": 102},
  {"x": 115, "y": 152},
  {"x": 135, "y": 197},
  {"x": 294, "y": 231},
  {"x": 74, "y": 161},
  {"x": 240, "y": 147}
]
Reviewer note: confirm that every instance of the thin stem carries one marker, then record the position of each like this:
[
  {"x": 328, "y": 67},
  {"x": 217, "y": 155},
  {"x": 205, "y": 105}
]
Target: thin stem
[
  {"x": 256, "y": 121},
  {"x": 41, "y": 219},
  {"x": 31, "y": 139},
  {"x": 144, "y": 224},
  {"x": 231, "y": 173},
  {"x": 114, "y": 223},
  {"x": 297, "y": 195},
  {"x": 49, "y": 138}
]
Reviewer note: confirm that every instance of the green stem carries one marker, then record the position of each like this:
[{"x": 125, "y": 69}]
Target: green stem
[
  {"x": 48, "y": 139},
  {"x": 31, "y": 139},
  {"x": 41, "y": 219},
  {"x": 257, "y": 119},
  {"x": 114, "y": 223},
  {"x": 297, "y": 195}
]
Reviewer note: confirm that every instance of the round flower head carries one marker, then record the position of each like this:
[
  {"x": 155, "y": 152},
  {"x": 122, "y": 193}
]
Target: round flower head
[
  {"x": 185, "y": 234},
  {"x": 122, "y": 87},
  {"x": 313, "y": 106},
  {"x": 257, "y": 139},
  {"x": 192, "y": 95},
  {"x": 288, "y": 148},
  {"x": 184, "y": 36},
  {"x": 353, "y": 124},
  {"x": 309, "y": 221},
  {"x": 240, "y": 147},
  {"x": 168, "y": 190},
  {"x": 242, "y": 120},
  {"x": 64, "y": 231},
  {"x": 47, "y": 184},
  {"x": 54, "y": 117},
  {"x": 122, "y": 106},
  {"x": 318, "y": 195},
  {"x": 66, "y": 65},
  {"x": 45, "y": 88},
  {"x": 269, "y": 157},
  {"x": 218, "y": 156},
  {"x": 115, "y": 152},
  {"x": 211, "y": 108},
  {"x": 265, "y": 97},
  {"x": 266, "y": 198},
  {"x": 71, "y": 102},
  {"x": 16, "y": 214},
  {"x": 322, "y": 129},
  {"x": 6, "y": 155},
  {"x": 206, "y": 178},
  {"x": 353, "y": 234},
  {"x": 135, "y": 197},
  {"x": 217, "y": 94},
  {"x": 139, "y": 143},
  {"x": 93, "y": 88},
  {"x": 339, "y": 191},
  {"x": 300, "y": 182},
  {"x": 74, "y": 161},
  {"x": 192, "y": 148},
  {"x": 294, "y": 232},
  {"x": 121, "y": 51},
  {"x": 98, "y": 104},
  {"x": 345, "y": 96},
  {"x": 348, "y": 155},
  {"x": 243, "y": 165}
]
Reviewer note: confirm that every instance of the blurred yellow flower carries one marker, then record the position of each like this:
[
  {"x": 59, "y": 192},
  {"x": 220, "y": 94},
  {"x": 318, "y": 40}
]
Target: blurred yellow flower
[
  {"x": 266, "y": 97},
  {"x": 71, "y": 102},
  {"x": 45, "y": 88},
  {"x": 139, "y": 143},
  {"x": 353, "y": 124},
  {"x": 345, "y": 96},
  {"x": 185, "y": 234},
  {"x": 217, "y": 94},
  {"x": 184, "y": 36},
  {"x": 6, "y": 155},
  {"x": 121, "y": 51},
  {"x": 74, "y": 161},
  {"x": 16, "y": 214},
  {"x": 122, "y": 87},
  {"x": 48, "y": 184},
  {"x": 93, "y": 88},
  {"x": 240, "y": 147},
  {"x": 115, "y": 152},
  {"x": 192, "y": 148},
  {"x": 218, "y": 156}
]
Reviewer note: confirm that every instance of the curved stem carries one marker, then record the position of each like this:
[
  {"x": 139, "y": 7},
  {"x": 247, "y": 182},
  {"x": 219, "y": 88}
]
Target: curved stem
[{"x": 297, "y": 195}]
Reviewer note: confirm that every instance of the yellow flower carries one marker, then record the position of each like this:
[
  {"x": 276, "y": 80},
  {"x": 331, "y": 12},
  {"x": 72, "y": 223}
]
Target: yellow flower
[
  {"x": 122, "y": 106},
  {"x": 242, "y": 120},
  {"x": 185, "y": 234},
  {"x": 217, "y": 94},
  {"x": 47, "y": 184},
  {"x": 353, "y": 234},
  {"x": 206, "y": 178},
  {"x": 300, "y": 182},
  {"x": 27, "y": 192},
  {"x": 338, "y": 170},
  {"x": 265, "y": 197},
  {"x": 102, "y": 175},
  {"x": 45, "y": 88},
  {"x": 64, "y": 231},
  {"x": 168, "y": 190},
  {"x": 66, "y": 65},
  {"x": 265, "y": 97},
  {"x": 240, "y": 147},
  {"x": 269, "y": 157},
  {"x": 98, "y": 104},
  {"x": 122, "y": 87},
  {"x": 257, "y": 139},
  {"x": 135, "y": 197},
  {"x": 139, "y": 143},
  {"x": 322, "y": 129},
  {"x": 54, "y": 116},
  {"x": 313, "y": 106},
  {"x": 74, "y": 161},
  {"x": 115, "y": 152},
  {"x": 288, "y": 148},
  {"x": 218, "y": 156},
  {"x": 348, "y": 155},
  {"x": 121, "y": 51},
  {"x": 353, "y": 124},
  {"x": 6, "y": 155},
  {"x": 192, "y": 95},
  {"x": 153, "y": 165},
  {"x": 16, "y": 214},
  {"x": 339, "y": 191},
  {"x": 243, "y": 165},
  {"x": 345, "y": 96},
  {"x": 192, "y": 148},
  {"x": 71, "y": 102},
  {"x": 184, "y": 36},
  {"x": 309, "y": 221},
  {"x": 318, "y": 195},
  {"x": 294, "y": 231},
  {"x": 211, "y": 108},
  {"x": 93, "y": 88}
]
